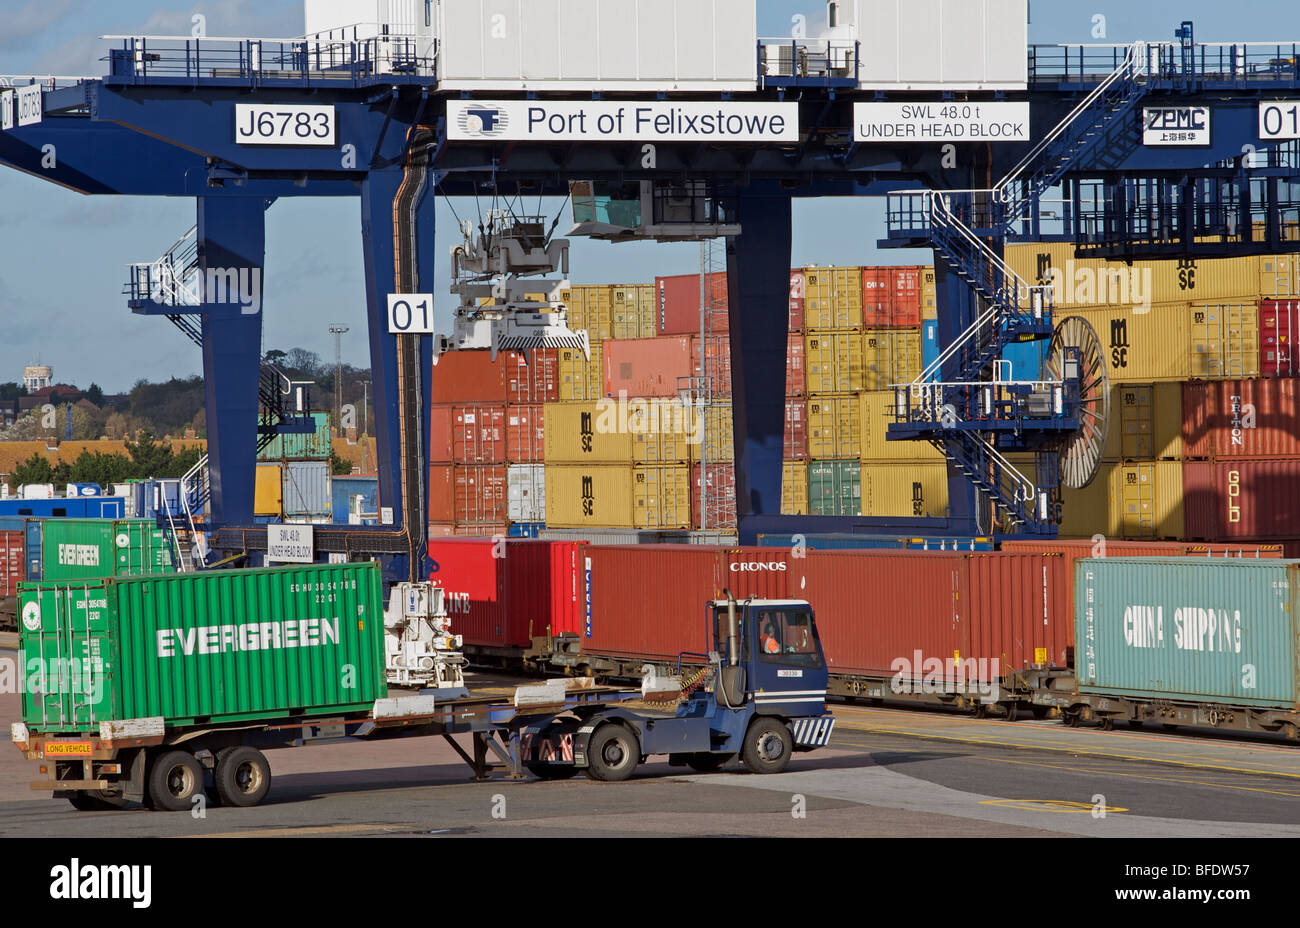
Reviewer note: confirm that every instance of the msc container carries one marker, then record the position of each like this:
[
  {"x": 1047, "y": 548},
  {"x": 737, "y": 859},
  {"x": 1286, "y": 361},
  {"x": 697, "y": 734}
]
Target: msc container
[
  {"x": 1241, "y": 419},
  {"x": 469, "y": 376},
  {"x": 1178, "y": 342},
  {"x": 307, "y": 489},
  {"x": 614, "y": 496},
  {"x": 794, "y": 489},
  {"x": 525, "y": 430},
  {"x": 720, "y": 483},
  {"x": 834, "y": 362},
  {"x": 1185, "y": 630},
  {"x": 70, "y": 549},
  {"x": 1146, "y": 423},
  {"x": 591, "y": 310},
  {"x": 268, "y": 490},
  {"x": 890, "y": 357},
  {"x": 718, "y": 438},
  {"x": 581, "y": 378},
  {"x": 566, "y": 45},
  {"x": 585, "y": 433},
  {"x": 13, "y": 555},
  {"x": 533, "y": 377},
  {"x": 876, "y": 412},
  {"x": 1085, "y": 283},
  {"x": 677, "y": 308},
  {"x": 915, "y": 489},
  {"x": 939, "y": 44},
  {"x": 832, "y": 298},
  {"x": 834, "y": 427},
  {"x": 632, "y": 311},
  {"x": 478, "y": 434},
  {"x": 1257, "y": 500},
  {"x": 796, "y": 430},
  {"x": 647, "y": 367},
  {"x": 355, "y": 498},
  {"x": 1279, "y": 276},
  {"x": 929, "y": 295},
  {"x": 835, "y": 488},
  {"x": 526, "y": 492},
  {"x": 1142, "y": 499},
  {"x": 314, "y": 447},
  {"x": 211, "y": 647}
]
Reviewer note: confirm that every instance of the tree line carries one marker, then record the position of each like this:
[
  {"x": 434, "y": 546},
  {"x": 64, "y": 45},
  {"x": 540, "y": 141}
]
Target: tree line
[{"x": 143, "y": 459}]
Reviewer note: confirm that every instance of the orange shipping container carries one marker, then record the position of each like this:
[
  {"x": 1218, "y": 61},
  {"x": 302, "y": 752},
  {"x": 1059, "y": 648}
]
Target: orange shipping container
[
  {"x": 525, "y": 434},
  {"x": 647, "y": 367}
]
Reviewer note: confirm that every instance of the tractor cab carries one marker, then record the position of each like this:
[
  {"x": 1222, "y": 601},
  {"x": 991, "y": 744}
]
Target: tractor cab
[{"x": 768, "y": 652}]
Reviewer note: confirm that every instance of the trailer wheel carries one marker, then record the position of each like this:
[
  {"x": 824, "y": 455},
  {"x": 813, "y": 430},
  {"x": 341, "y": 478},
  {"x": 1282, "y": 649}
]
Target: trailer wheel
[
  {"x": 94, "y": 800},
  {"x": 1013, "y": 711},
  {"x": 552, "y": 771},
  {"x": 708, "y": 763},
  {"x": 242, "y": 777},
  {"x": 1040, "y": 712},
  {"x": 612, "y": 753},
  {"x": 175, "y": 778},
  {"x": 768, "y": 746}
]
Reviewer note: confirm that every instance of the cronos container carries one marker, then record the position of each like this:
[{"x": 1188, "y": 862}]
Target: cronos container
[
  {"x": 1184, "y": 630},
  {"x": 75, "y": 548},
  {"x": 1258, "y": 500},
  {"x": 1241, "y": 419},
  {"x": 215, "y": 646}
]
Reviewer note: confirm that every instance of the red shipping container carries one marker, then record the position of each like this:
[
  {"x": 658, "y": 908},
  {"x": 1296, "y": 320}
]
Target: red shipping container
[
  {"x": 1241, "y": 419},
  {"x": 525, "y": 434},
  {"x": 721, "y": 485},
  {"x": 545, "y": 589},
  {"x": 467, "y": 494},
  {"x": 470, "y": 376},
  {"x": 481, "y": 529},
  {"x": 442, "y": 494},
  {"x": 717, "y": 361},
  {"x": 906, "y": 297},
  {"x": 679, "y": 304},
  {"x": 646, "y": 367},
  {"x": 475, "y": 581},
  {"x": 1256, "y": 500},
  {"x": 12, "y": 559},
  {"x": 796, "y": 377},
  {"x": 533, "y": 377},
  {"x": 760, "y": 573},
  {"x": 441, "y": 529},
  {"x": 796, "y": 429},
  {"x": 877, "y": 297},
  {"x": 479, "y": 435},
  {"x": 796, "y": 300},
  {"x": 440, "y": 431},
  {"x": 1278, "y": 322}
]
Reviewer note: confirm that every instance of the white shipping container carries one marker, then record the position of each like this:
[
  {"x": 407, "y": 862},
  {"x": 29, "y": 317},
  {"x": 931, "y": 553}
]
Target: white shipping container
[
  {"x": 37, "y": 491},
  {"x": 598, "y": 45},
  {"x": 307, "y": 491},
  {"x": 526, "y": 493},
  {"x": 939, "y": 44}
]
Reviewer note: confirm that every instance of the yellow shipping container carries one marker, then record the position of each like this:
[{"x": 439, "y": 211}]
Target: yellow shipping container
[
  {"x": 579, "y": 433},
  {"x": 268, "y": 491},
  {"x": 929, "y": 295},
  {"x": 877, "y": 407},
  {"x": 832, "y": 298},
  {"x": 1146, "y": 423},
  {"x": 581, "y": 379},
  {"x": 632, "y": 311},
  {"x": 1177, "y": 341},
  {"x": 612, "y": 496},
  {"x": 669, "y": 446},
  {"x": 1135, "y": 500},
  {"x": 833, "y": 362},
  {"x": 794, "y": 489},
  {"x": 720, "y": 435},
  {"x": 834, "y": 427},
  {"x": 891, "y": 356},
  {"x": 1279, "y": 277},
  {"x": 590, "y": 308},
  {"x": 1081, "y": 283},
  {"x": 899, "y": 491}
]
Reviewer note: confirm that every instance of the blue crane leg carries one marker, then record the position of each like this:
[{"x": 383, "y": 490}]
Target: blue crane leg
[{"x": 957, "y": 308}]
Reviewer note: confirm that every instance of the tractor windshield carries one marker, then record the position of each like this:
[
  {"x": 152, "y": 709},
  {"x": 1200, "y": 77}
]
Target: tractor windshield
[{"x": 787, "y": 636}]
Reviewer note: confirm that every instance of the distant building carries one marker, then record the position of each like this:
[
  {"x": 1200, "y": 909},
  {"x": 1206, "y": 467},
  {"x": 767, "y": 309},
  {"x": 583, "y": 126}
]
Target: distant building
[{"x": 37, "y": 377}]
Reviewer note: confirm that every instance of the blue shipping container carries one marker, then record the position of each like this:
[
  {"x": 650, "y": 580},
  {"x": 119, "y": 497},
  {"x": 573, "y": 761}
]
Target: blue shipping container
[
  {"x": 101, "y": 507},
  {"x": 343, "y": 489},
  {"x": 1026, "y": 359},
  {"x": 526, "y": 529}
]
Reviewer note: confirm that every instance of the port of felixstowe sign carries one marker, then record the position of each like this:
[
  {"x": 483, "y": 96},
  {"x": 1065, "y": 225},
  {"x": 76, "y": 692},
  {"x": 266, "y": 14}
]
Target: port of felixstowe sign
[
  {"x": 619, "y": 121},
  {"x": 940, "y": 122}
]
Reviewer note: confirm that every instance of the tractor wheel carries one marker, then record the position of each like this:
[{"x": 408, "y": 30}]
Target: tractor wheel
[
  {"x": 612, "y": 754},
  {"x": 768, "y": 746}
]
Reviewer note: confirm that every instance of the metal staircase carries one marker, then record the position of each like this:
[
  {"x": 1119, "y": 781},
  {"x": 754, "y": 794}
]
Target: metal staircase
[{"x": 964, "y": 403}]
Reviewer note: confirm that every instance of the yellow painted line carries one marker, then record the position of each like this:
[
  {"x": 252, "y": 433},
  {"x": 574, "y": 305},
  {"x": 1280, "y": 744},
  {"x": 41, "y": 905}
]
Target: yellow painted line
[
  {"x": 1072, "y": 749},
  {"x": 305, "y": 831},
  {"x": 1062, "y": 806}
]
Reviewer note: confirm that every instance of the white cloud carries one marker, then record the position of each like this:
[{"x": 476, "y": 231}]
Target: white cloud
[{"x": 32, "y": 19}]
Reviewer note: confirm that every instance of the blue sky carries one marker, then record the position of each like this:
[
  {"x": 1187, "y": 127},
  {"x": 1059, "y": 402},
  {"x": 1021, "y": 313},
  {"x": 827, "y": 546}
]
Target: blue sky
[{"x": 63, "y": 256}]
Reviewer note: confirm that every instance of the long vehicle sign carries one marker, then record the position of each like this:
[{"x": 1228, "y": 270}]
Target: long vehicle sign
[{"x": 614, "y": 121}]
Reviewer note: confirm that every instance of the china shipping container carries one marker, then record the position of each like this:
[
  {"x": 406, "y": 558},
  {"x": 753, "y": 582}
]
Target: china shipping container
[
  {"x": 70, "y": 549},
  {"x": 834, "y": 362},
  {"x": 905, "y": 490},
  {"x": 1183, "y": 630},
  {"x": 526, "y": 492},
  {"x": 835, "y": 488},
  {"x": 525, "y": 429},
  {"x": 832, "y": 298},
  {"x": 1177, "y": 342},
  {"x": 1136, "y": 499},
  {"x": 478, "y": 434},
  {"x": 307, "y": 489},
  {"x": 678, "y": 307},
  {"x": 794, "y": 489},
  {"x": 178, "y": 663},
  {"x": 796, "y": 429},
  {"x": 1257, "y": 500},
  {"x": 1242, "y": 419},
  {"x": 834, "y": 427},
  {"x": 876, "y": 413},
  {"x": 1085, "y": 283},
  {"x": 618, "y": 496},
  {"x": 647, "y": 367},
  {"x": 1146, "y": 423}
]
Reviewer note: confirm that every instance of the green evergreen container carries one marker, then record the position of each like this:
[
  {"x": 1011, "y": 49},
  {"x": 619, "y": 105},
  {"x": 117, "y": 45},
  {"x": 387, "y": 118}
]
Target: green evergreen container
[
  {"x": 203, "y": 648},
  {"x": 72, "y": 549},
  {"x": 835, "y": 488}
]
